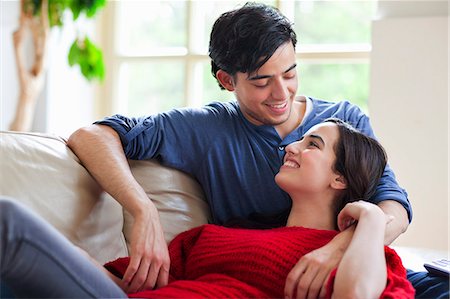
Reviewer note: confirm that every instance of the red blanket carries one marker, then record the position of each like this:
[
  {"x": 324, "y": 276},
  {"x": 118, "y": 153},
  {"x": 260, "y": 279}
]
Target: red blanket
[{"x": 217, "y": 262}]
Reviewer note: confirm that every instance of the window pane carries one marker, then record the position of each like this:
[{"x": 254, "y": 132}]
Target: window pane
[
  {"x": 152, "y": 87},
  {"x": 333, "y": 22},
  {"x": 211, "y": 89},
  {"x": 151, "y": 27},
  {"x": 335, "y": 82}
]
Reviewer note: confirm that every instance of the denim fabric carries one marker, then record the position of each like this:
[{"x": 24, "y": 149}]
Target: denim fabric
[
  {"x": 429, "y": 286},
  {"x": 36, "y": 261}
]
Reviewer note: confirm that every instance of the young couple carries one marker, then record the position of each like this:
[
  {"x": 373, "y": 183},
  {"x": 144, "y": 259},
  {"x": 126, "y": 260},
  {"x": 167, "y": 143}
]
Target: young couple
[
  {"x": 329, "y": 174},
  {"x": 234, "y": 150}
]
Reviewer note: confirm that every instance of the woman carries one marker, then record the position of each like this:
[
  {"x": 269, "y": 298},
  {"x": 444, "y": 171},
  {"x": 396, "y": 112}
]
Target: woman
[{"x": 331, "y": 167}]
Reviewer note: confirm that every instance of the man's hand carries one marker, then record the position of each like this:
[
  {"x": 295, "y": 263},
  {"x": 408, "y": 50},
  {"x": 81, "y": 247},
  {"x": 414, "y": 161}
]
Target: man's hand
[
  {"x": 149, "y": 256},
  {"x": 100, "y": 150},
  {"x": 309, "y": 276}
]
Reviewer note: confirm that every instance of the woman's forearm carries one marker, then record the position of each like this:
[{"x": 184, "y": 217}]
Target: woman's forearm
[
  {"x": 362, "y": 271},
  {"x": 399, "y": 222}
]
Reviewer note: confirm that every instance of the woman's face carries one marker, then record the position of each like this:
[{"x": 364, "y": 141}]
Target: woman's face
[{"x": 308, "y": 163}]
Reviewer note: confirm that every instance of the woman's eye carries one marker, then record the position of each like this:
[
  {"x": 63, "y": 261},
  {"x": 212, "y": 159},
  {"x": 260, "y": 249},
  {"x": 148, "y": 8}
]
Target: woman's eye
[{"x": 313, "y": 144}]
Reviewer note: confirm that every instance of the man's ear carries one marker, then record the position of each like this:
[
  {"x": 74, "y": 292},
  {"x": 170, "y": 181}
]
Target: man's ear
[
  {"x": 225, "y": 79},
  {"x": 339, "y": 182}
]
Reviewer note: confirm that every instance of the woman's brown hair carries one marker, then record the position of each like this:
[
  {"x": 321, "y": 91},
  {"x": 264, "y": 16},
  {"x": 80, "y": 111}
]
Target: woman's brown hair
[{"x": 361, "y": 160}]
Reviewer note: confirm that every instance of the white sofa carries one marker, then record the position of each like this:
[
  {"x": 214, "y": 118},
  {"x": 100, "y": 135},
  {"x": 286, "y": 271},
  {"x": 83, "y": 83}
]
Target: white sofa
[{"x": 40, "y": 171}]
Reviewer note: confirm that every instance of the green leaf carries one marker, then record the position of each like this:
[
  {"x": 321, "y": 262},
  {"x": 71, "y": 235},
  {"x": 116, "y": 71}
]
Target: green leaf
[
  {"x": 83, "y": 53},
  {"x": 89, "y": 57},
  {"x": 89, "y": 7},
  {"x": 56, "y": 9},
  {"x": 95, "y": 7},
  {"x": 74, "y": 53},
  {"x": 76, "y": 9}
]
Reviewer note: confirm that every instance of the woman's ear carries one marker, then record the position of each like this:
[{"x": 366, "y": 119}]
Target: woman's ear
[
  {"x": 339, "y": 182},
  {"x": 225, "y": 79}
]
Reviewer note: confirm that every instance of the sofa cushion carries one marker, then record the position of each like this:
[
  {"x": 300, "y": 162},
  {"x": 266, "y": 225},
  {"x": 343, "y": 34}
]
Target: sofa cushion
[
  {"x": 177, "y": 196},
  {"x": 41, "y": 172}
]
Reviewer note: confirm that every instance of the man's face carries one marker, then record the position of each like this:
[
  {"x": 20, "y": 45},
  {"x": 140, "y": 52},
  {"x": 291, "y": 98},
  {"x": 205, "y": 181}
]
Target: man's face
[{"x": 266, "y": 96}]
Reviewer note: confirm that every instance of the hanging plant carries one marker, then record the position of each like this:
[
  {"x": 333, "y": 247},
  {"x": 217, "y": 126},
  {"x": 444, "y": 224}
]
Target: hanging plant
[{"x": 90, "y": 59}]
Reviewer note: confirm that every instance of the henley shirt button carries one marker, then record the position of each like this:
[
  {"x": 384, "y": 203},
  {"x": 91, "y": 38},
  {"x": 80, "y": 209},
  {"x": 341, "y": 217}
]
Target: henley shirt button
[{"x": 281, "y": 148}]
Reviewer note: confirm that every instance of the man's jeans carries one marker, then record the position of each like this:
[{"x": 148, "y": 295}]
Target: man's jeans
[{"x": 429, "y": 286}]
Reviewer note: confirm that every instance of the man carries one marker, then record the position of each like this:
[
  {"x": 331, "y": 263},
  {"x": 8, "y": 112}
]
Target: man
[{"x": 233, "y": 149}]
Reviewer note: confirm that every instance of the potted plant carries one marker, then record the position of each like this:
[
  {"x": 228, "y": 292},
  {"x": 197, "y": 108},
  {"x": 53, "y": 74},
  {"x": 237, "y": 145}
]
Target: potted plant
[{"x": 39, "y": 16}]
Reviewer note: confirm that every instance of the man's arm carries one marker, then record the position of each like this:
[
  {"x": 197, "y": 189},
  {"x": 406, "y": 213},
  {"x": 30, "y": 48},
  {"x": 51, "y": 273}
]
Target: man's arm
[
  {"x": 310, "y": 275},
  {"x": 99, "y": 149}
]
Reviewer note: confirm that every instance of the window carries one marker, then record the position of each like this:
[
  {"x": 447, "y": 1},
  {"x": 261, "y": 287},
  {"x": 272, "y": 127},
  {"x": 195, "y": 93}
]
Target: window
[
  {"x": 334, "y": 48},
  {"x": 157, "y": 54}
]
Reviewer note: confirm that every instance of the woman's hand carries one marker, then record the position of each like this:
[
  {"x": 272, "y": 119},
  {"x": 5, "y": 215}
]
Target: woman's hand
[
  {"x": 310, "y": 275},
  {"x": 352, "y": 212},
  {"x": 149, "y": 255}
]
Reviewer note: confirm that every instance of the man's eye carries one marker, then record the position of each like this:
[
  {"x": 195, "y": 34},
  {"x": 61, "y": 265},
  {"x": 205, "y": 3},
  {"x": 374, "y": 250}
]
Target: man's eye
[
  {"x": 261, "y": 85},
  {"x": 289, "y": 75}
]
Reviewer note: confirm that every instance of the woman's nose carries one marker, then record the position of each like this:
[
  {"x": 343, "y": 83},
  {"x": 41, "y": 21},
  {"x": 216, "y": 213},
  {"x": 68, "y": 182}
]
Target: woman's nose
[{"x": 293, "y": 148}]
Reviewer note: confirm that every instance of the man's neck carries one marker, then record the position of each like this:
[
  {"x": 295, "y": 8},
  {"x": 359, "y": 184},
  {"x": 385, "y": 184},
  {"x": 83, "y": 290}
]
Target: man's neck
[{"x": 295, "y": 118}]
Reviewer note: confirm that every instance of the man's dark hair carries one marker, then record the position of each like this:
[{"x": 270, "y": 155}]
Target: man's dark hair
[{"x": 242, "y": 40}]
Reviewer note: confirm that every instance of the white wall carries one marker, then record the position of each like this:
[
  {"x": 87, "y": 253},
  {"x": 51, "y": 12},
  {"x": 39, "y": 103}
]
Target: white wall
[
  {"x": 67, "y": 100},
  {"x": 70, "y": 97},
  {"x": 409, "y": 110},
  {"x": 9, "y": 11}
]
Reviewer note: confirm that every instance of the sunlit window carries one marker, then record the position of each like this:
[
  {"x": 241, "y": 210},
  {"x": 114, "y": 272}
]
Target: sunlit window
[
  {"x": 160, "y": 61},
  {"x": 335, "y": 38}
]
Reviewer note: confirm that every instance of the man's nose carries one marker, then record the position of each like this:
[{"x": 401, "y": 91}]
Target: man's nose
[{"x": 280, "y": 89}]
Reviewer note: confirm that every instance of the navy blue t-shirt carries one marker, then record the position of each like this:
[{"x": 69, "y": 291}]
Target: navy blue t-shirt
[{"x": 234, "y": 160}]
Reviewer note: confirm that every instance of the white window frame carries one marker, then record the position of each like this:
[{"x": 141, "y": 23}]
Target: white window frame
[{"x": 109, "y": 94}]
